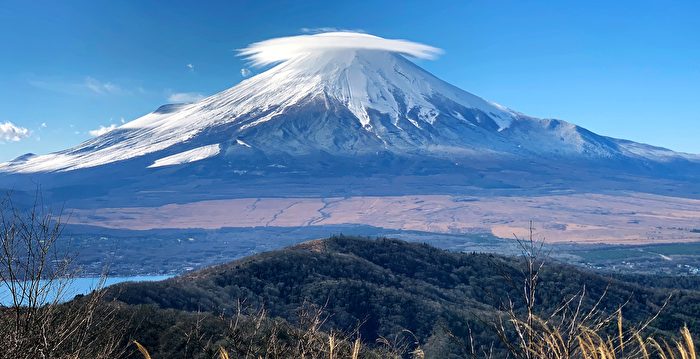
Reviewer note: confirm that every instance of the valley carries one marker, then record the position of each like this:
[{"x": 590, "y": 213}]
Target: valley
[
  {"x": 587, "y": 218},
  {"x": 177, "y": 251}
]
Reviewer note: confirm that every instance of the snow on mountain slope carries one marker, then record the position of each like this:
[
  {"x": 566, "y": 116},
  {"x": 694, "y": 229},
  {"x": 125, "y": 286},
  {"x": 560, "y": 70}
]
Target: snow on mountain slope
[
  {"x": 189, "y": 156},
  {"x": 338, "y": 93}
]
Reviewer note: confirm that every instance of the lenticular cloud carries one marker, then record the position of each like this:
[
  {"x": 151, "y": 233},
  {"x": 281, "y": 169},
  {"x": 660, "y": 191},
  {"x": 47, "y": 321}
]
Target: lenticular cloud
[{"x": 286, "y": 48}]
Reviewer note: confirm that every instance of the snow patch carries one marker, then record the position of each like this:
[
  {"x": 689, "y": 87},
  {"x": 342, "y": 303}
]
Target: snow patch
[
  {"x": 193, "y": 155},
  {"x": 240, "y": 142}
]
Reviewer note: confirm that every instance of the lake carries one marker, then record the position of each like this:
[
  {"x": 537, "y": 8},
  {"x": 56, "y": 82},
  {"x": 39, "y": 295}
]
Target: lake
[{"x": 82, "y": 286}]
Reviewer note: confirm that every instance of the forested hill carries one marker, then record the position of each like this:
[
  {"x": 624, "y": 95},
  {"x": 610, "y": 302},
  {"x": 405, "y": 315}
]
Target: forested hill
[{"x": 386, "y": 286}]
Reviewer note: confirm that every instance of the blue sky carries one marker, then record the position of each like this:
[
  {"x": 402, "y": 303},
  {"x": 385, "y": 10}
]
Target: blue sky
[{"x": 628, "y": 69}]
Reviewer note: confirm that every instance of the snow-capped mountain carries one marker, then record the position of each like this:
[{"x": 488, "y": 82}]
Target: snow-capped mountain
[{"x": 342, "y": 102}]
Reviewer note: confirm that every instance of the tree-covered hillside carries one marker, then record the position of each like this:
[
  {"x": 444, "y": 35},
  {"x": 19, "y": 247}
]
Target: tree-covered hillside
[{"x": 385, "y": 287}]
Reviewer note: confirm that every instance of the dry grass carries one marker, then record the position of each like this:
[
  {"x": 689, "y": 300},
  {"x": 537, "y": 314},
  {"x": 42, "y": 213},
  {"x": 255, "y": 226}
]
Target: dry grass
[
  {"x": 546, "y": 344},
  {"x": 143, "y": 350},
  {"x": 591, "y": 343}
]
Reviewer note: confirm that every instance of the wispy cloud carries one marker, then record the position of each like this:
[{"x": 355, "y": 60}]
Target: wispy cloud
[
  {"x": 245, "y": 72},
  {"x": 102, "y": 88},
  {"x": 190, "y": 67},
  {"x": 44, "y": 125},
  {"x": 57, "y": 86},
  {"x": 185, "y": 97},
  {"x": 102, "y": 130},
  {"x": 317, "y": 30},
  {"x": 9, "y": 132},
  {"x": 286, "y": 48},
  {"x": 89, "y": 85}
]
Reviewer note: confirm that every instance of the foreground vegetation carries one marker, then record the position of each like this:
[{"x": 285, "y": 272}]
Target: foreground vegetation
[
  {"x": 343, "y": 297},
  {"x": 387, "y": 289},
  {"x": 547, "y": 344}
]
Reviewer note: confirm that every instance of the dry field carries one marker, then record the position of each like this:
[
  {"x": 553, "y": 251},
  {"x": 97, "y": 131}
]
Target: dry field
[{"x": 630, "y": 218}]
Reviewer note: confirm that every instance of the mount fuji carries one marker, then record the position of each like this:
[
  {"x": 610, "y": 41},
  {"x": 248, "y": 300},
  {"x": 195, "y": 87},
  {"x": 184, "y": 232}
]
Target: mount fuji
[{"x": 344, "y": 113}]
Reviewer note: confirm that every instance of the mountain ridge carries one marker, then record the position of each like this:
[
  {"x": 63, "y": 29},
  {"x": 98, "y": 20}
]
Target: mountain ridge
[{"x": 342, "y": 102}]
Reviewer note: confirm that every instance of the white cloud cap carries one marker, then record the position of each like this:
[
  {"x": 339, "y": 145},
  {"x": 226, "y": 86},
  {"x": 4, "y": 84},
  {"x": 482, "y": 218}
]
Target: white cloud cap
[
  {"x": 286, "y": 48},
  {"x": 9, "y": 132}
]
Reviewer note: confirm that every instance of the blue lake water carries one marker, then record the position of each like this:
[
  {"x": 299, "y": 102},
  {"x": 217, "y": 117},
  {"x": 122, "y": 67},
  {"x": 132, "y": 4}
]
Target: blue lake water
[{"x": 77, "y": 286}]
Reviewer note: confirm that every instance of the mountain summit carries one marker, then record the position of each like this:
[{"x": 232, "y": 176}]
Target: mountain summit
[{"x": 341, "y": 98}]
